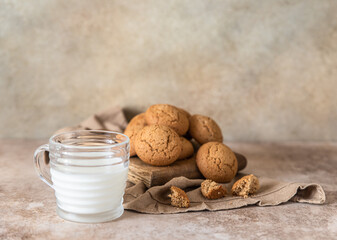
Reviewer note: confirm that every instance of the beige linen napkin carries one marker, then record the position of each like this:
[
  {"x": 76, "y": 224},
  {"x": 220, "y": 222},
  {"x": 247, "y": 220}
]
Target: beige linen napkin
[
  {"x": 155, "y": 200},
  {"x": 272, "y": 192},
  {"x": 112, "y": 119}
]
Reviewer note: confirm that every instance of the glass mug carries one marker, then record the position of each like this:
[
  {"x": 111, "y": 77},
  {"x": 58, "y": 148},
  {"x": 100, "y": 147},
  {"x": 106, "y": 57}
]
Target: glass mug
[{"x": 88, "y": 171}]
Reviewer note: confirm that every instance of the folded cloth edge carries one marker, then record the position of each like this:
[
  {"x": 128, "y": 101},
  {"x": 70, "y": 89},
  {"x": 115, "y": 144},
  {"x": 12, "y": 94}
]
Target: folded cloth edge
[{"x": 149, "y": 202}]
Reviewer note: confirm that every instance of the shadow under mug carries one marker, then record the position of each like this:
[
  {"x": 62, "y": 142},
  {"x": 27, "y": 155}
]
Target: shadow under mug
[{"x": 88, "y": 170}]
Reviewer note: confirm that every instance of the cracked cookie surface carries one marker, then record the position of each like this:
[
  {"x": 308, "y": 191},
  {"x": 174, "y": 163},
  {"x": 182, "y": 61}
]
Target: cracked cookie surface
[
  {"x": 217, "y": 162},
  {"x": 158, "y": 145},
  {"x": 187, "y": 114},
  {"x": 204, "y": 129},
  {"x": 135, "y": 125},
  {"x": 167, "y": 115}
]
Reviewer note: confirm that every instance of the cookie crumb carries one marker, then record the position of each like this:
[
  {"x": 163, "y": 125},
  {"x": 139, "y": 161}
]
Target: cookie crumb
[
  {"x": 212, "y": 190},
  {"x": 179, "y": 198},
  {"x": 246, "y": 186}
]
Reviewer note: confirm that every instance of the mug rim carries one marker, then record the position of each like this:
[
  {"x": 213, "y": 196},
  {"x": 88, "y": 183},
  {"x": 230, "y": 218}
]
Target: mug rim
[{"x": 52, "y": 140}]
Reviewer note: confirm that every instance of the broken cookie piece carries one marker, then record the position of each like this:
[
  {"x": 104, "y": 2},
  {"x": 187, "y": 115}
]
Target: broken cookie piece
[
  {"x": 212, "y": 190},
  {"x": 179, "y": 198},
  {"x": 246, "y": 186}
]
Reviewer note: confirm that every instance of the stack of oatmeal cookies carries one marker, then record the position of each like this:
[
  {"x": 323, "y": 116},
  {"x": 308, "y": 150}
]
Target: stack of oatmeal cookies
[{"x": 165, "y": 134}]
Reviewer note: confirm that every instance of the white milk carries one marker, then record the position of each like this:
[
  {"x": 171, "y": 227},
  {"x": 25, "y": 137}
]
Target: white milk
[{"x": 83, "y": 188}]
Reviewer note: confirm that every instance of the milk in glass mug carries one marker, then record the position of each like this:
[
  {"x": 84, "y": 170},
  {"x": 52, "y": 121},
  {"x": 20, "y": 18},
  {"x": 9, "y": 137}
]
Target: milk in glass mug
[{"x": 88, "y": 171}]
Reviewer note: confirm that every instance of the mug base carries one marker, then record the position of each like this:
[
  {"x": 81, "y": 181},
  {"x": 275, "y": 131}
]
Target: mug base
[{"x": 91, "y": 218}]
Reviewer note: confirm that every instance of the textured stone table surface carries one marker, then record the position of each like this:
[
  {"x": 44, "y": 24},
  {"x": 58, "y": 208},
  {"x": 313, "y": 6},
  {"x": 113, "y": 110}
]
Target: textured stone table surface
[{"x": 27, "y": 205}]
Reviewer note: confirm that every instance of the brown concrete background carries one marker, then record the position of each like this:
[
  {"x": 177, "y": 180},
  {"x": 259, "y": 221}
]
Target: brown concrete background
[{"x": 265, "y": 70}]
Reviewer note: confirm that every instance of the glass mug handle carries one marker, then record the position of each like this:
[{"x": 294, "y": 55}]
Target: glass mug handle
[{"x": 41, "y": 165}]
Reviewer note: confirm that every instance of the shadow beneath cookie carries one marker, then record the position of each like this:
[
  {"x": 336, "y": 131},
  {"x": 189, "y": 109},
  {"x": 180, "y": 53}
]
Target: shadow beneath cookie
[{"x": 130, "y": 112}]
